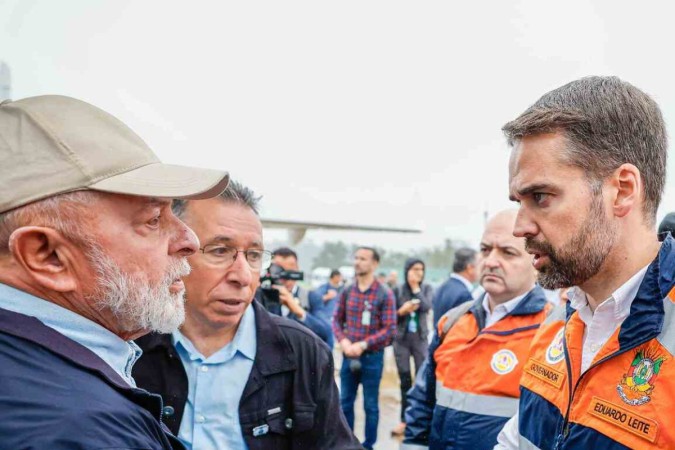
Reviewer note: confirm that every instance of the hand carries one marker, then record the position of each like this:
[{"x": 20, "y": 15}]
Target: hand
[
  {"x": 357, "y": 350},
  {"x": 287, "y": 299},
  {"x": 346, "y": 346},
  {"x": 330, "y": 295},
  {"x": 407, "y": 308}
]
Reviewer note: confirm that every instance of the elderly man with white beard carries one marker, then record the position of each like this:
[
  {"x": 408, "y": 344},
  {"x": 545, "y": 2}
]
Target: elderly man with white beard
[{"x": 91, "y": 257}]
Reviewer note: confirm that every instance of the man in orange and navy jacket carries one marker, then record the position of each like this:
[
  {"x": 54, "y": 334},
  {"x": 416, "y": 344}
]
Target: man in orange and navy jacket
[
  {"x": 468, "y": 387},
  {"x": 588, "y": 169}
]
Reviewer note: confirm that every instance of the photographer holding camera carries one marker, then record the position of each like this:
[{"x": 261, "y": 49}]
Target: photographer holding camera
[
  {"x": 234, "y": 376},
  {"x": 282, "y": 295}
]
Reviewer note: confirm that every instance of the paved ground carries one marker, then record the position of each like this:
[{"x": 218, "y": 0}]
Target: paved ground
[{"x": 390, "y": 403}]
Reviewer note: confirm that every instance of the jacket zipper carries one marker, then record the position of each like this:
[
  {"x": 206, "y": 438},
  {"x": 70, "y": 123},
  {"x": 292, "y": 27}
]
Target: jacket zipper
[{"x": 565, "y": 430}]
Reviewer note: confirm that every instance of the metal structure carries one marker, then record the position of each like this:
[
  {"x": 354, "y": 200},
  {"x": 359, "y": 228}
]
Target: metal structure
[{"x": 297, "y": 229}]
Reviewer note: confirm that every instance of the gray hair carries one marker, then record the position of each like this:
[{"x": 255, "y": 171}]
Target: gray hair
[
  {"x": 463, "y": 257},
  {"x": 235, "y": 193},
  {"x": 607, "y": 122},
  {"x": 60, "y": 212}
]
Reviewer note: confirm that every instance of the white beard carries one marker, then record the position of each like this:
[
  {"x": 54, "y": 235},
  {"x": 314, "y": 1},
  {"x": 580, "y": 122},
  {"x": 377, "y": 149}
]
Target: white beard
[{"x": 133, "y": 302}]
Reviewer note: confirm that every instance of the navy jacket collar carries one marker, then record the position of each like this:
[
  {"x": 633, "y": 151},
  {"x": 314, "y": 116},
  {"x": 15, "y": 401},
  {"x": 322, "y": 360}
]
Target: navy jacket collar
[
  {"x": 647, "y": 313},
  {"x": 31, "y": 329}
]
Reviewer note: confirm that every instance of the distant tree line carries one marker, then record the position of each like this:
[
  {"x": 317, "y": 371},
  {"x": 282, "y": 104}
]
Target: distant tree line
[{"x": 337, "y": 253}]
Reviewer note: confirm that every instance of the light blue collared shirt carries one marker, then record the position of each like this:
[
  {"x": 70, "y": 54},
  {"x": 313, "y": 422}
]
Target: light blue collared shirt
[
  {"x": 115, "y": 351},
  {"x": 215, "y": 386}
]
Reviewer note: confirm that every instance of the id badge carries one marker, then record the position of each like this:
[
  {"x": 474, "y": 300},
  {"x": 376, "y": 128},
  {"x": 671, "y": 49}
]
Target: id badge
[{"x": 365, "y": 318}]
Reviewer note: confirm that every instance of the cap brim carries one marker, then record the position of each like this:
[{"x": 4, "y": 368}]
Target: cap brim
[{"x": 166, "y": 181}]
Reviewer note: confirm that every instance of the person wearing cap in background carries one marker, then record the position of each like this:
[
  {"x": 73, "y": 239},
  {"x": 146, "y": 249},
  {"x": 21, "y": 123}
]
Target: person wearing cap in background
[{"x": 91, "y": 257}]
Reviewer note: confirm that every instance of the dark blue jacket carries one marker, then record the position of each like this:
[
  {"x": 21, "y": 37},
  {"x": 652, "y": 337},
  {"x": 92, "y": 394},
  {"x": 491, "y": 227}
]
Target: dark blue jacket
[
  {"x": 450, "y": 294},
  {"x": 319, "y": 326},
  {"x": 56, "y": 394}
]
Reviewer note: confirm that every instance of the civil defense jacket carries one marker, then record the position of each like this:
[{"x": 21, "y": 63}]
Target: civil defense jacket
[
  {"x": 626, "y": 398},
  {"x": 468, "y": 387}
]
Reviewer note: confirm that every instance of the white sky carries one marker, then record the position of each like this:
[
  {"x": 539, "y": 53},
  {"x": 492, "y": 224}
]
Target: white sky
[{"x": 371, "y": 112}]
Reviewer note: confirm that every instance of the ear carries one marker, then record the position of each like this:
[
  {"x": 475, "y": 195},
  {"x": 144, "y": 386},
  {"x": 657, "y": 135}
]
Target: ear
[
  {"x": 627, "y": 184},
  {"x": 46, "y": 256}
]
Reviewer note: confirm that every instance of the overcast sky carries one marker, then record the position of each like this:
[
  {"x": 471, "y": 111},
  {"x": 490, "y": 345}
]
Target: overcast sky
[{"x": 369, "y": 112}]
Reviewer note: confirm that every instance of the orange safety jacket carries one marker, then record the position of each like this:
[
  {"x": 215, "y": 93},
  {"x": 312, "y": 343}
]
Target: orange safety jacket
[
  {"x": 626, "y": 399},
  {"x": 477, "y": 370}
]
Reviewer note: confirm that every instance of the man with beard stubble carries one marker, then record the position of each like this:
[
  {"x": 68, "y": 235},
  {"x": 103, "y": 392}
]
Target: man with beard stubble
[
  {"x": 91, "y": 257},
  {"x": 588, "y": 169}
]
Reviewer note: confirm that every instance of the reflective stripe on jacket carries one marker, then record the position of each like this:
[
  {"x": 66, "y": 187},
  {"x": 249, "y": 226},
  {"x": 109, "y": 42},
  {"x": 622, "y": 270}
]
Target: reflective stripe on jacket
[
  {"x": 625, "y": 399},
  {"x": 468, "y": 388}
]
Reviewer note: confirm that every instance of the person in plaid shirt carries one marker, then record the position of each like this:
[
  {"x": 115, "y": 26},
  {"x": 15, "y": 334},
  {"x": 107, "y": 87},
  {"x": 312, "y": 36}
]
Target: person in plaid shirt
[{"x": 364, "y": 324}]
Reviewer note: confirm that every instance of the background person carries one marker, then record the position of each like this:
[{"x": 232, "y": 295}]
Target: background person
[
  {"x": 295, "y": 301},
  {"x": 364, "y": 324},
  {"x": 413, "y": 300},
  {"x": 458, "y": 288},
  {"x": 468, "y": 387}
]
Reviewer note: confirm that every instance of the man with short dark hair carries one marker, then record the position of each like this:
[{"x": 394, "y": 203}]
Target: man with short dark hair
[
  {"x": 234, "y": 376},
  {"x": 324, "y": 299},
  {"x": 392, "y": 280},
  {"x": 457, "y": 289},
  {"x": 295, "y": 300},
  {"x": 364, "y": 324},
  {"x": 588, "y": 169},
  {"x": 91, "y": 257}
]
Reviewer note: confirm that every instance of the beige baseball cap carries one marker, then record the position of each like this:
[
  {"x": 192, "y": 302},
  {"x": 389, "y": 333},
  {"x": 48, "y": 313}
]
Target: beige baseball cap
[{"x": 53, "y": 144}]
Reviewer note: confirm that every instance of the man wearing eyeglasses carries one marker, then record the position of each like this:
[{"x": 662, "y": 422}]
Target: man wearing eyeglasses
[{"x": 234, "y": 376}]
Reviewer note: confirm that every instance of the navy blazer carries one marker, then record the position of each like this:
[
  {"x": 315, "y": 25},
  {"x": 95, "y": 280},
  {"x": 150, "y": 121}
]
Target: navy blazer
[{"x": 452, "y": 293}]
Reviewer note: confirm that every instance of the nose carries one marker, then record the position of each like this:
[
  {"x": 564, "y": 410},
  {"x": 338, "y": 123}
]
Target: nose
[
  {"x": 524, "y": 226},
  {"x": 240, "y": 272},
  {"x": 491, "y": 260},
  {"x": 185, "y": 242}
]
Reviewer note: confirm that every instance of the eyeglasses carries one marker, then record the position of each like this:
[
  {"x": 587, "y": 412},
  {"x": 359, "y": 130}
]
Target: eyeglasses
[{"x": 224, "y": 256}]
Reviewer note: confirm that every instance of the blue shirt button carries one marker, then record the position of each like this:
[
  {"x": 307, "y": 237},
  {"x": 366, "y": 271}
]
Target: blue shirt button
[{"x": 168, "y": 411}]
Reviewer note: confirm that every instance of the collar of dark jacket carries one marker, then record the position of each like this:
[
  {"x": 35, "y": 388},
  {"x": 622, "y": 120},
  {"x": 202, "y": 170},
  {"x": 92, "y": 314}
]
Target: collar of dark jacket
[{"x": 31, "y": 329}]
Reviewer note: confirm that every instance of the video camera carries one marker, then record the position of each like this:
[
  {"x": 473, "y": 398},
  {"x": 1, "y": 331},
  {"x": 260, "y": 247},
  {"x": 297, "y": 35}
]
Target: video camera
[{"x": 275, "y": 274}]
